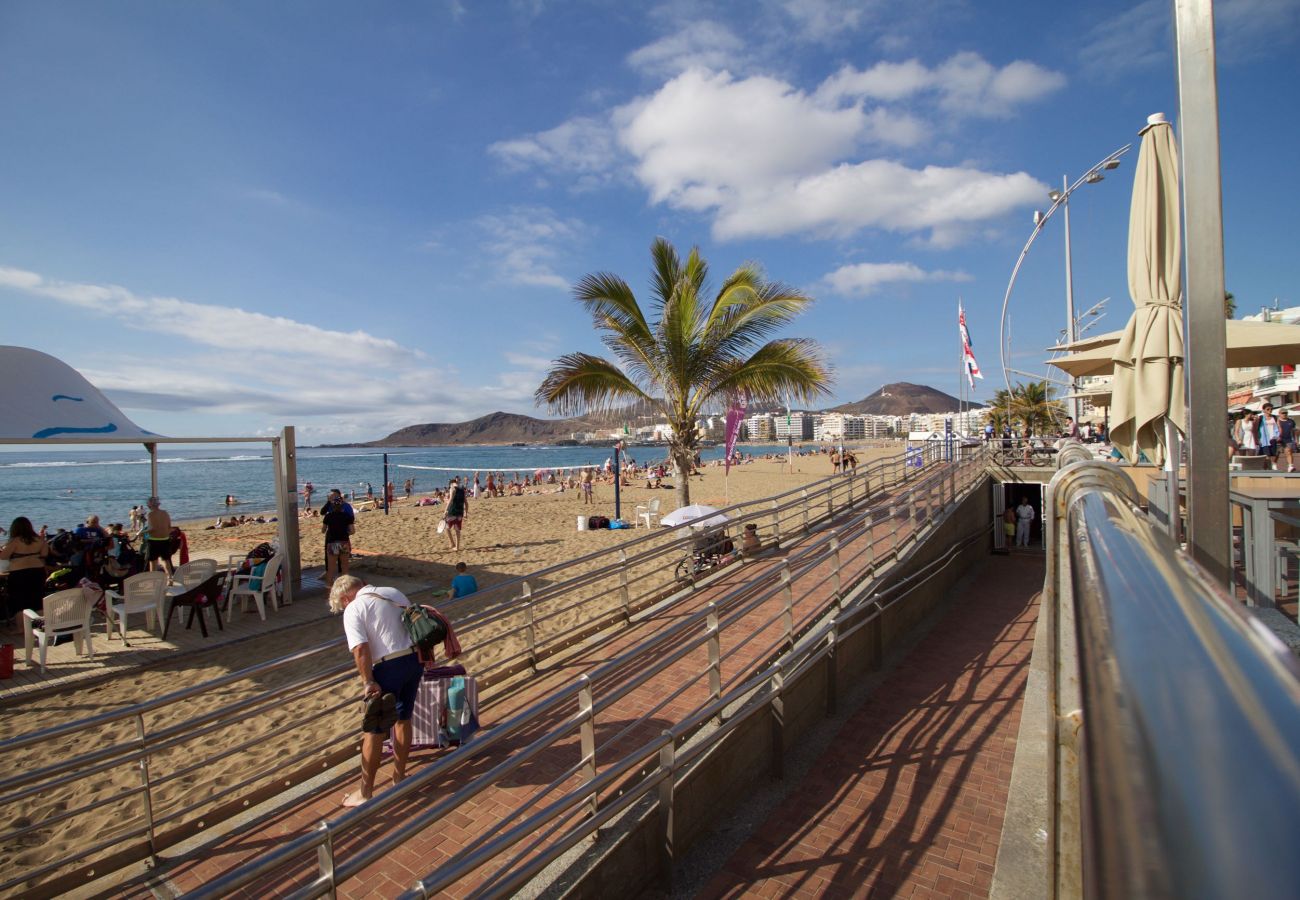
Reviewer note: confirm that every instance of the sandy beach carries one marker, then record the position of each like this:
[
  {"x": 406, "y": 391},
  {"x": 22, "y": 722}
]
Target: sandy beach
[{"x": 505, "y": 537}]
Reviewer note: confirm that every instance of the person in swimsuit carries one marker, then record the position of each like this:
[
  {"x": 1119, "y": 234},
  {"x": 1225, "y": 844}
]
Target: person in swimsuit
[
  {"x": 26, "y": 551},
  {"x": 158, "y": 551}
]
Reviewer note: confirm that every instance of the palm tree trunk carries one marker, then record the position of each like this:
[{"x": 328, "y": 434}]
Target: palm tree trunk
[{"x": 683, "y": 459}]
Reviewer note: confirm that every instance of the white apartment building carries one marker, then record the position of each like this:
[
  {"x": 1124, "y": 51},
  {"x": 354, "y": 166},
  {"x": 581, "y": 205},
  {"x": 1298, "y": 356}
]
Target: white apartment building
[
  {"x": 840, "y": 427},
  {"x": 796, "y": 425},
  {"x": 760, "y": 427}
]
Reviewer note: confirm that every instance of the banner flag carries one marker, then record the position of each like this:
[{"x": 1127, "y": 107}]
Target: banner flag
[
  {"x": 735, "y": 416},
  {"x": 968, "y": 357}
]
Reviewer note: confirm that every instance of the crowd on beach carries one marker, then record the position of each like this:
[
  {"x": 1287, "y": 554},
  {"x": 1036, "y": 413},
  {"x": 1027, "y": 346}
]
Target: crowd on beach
[{"x": 37, "y": 561}]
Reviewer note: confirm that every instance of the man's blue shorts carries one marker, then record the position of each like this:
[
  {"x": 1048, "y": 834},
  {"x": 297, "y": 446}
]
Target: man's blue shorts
[{"x": 401, "y": 678}]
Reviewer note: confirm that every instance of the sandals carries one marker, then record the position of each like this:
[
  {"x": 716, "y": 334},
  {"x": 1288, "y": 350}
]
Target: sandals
[{"x": 381, "y": 714}]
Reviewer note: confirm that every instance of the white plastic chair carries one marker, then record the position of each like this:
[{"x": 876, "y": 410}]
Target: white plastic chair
[
  {"x": 65, "y": 612},
  {"x": 141, "y": 593},
  {"x": 648, "y": 511},
  {"x": 191, "y": 575},
  {"x": 241, "y": 589}
]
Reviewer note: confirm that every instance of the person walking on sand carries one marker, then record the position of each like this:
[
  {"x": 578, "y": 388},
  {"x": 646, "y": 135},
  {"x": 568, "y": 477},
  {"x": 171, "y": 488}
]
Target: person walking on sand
[
  {"x": 338, "y": 523},
  {"x": 158, "y": 552},
  {"x": 389, "y": 670},
  {"x": 588, "y": 485},
  {"x": 307, "y": 490},
  {"x": 454, "y": 515},
  {"x": 1024, "y": 521}
]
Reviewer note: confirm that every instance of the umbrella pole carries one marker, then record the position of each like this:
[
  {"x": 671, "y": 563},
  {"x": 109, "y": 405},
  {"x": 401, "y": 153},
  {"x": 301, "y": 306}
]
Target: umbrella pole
[{"x": 1173, "y": 456}]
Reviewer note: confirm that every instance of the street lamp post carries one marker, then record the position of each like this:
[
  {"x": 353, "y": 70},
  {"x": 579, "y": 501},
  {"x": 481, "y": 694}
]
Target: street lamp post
[{"x": 1060, "y": 200}]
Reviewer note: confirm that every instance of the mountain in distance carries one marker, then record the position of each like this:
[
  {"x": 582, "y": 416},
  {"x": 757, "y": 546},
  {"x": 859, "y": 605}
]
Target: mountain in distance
[
  {"x": 902, "y": 398},
  {"x": 494, "y": 428}
]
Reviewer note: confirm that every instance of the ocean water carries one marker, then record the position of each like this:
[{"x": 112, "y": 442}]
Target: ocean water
[{"x": 60, "y": 487}]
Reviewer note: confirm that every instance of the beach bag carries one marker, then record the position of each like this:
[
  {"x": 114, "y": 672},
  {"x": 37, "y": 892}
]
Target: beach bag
[
  {"x": 256, "y": 583},
  {"x": 425, "y": 629}
]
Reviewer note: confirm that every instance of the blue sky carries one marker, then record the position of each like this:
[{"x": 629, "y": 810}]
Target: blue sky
[{"x": 354, "y": 217}]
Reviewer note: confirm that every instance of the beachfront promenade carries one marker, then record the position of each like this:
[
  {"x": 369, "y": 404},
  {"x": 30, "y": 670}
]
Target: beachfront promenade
[
  {"x": 637, "y": 715},
  {"x": 637, "y": 697}
]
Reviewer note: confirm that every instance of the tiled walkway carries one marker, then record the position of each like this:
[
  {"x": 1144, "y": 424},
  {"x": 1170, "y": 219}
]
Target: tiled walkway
[
  {"x": 909, "y": 799},
  {"x": 619, "y": 729}
]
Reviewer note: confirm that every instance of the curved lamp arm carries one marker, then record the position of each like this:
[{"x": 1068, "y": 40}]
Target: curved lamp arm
[{"x": 1033, "y": 236}]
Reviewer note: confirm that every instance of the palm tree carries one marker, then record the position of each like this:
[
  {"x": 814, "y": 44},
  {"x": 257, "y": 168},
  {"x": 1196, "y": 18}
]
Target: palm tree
[
  {"x": 1032, "y": 403},
  {"x": 696, "y": 354}
]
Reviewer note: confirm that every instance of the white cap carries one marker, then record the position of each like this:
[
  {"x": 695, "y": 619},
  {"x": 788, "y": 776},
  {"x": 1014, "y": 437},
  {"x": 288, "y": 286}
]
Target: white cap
[{"x": 1153, "y": 120}]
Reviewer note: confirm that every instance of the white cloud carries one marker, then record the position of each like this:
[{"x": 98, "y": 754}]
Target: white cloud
[
  {"x": 703, "y": 43},
  {"x": 764, "y": 158},
  {"x": 582, "y": 145},
  {"x": 524, "y": 241},
  {"x": 335, "y": 385},
  {"x": 824, "y": 19},
  {"x": 966, "y": 84},
  {"x": 768, "y": 160},
  {"x": 226, "y": 328},
  {"x": 861, "y": 279}
]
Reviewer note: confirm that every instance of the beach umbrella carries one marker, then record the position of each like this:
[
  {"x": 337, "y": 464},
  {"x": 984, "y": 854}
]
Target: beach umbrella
[
  {"x": 1147, "y": 390},
  {"x": 1248, "y": 344},
  {"x": 697, "y": 514}
]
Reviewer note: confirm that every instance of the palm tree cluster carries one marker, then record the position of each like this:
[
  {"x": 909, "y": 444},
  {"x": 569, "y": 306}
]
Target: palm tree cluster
[
  {"x": 1029, "y": 406},
  {"x": 691, "y": 354}
]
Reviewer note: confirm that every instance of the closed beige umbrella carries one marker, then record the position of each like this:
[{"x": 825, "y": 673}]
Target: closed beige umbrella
[{"x": 1147, "y": 387}]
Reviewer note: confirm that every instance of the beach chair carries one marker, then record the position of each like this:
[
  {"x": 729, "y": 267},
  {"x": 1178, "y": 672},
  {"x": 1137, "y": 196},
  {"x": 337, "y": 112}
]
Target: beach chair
[
  {"x": 190, "y": 575},
  {"x": 648, "y": 511},
  {"x": 143, "y": 593},
  {"x": 258, "y": 588},
  {"x": 64, "y": 612}
]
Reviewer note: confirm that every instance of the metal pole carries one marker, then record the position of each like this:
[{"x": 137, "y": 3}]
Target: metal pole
[
  {"x": 618, "y": 477},
  {"x": 153, "y": 469},
  {"x": 385, "y": 487},
  {"x": 1207, "y": 422},
  {"x": 1070, "y": 332}
]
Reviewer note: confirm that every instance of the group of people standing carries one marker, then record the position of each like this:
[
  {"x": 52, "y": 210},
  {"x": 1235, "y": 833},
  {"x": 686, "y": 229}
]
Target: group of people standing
[{"x": 1264, "y": 434}]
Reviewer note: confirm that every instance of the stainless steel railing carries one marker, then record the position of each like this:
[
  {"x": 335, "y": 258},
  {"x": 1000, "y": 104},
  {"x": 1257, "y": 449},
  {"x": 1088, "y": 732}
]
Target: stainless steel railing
[
  {"x": 166, "y": 759},
  {"x": 790, "y": 636},
  {"x": 1174, "y": 715}
]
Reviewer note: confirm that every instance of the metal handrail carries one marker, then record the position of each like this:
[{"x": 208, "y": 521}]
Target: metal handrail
[
  {"x": 675, "y": 636},
  {"x": 137, "y": 751},
  {"x": 1189, "y": 711}
]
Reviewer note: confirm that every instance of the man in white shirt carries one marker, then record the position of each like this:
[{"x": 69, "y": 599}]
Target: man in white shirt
[
  {"x": 1024, "y": 520},
  {"x": 390, "y": 673}
]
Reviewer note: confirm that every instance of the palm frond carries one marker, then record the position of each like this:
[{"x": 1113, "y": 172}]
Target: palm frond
[
  {"x": 665, "y": 271},
  {"x": 792, "y": 367},
  {"x": 579, "y": 383}
]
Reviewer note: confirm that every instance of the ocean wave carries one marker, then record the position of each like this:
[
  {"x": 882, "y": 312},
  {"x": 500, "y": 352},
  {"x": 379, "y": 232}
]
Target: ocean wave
[{"x": 162, "y": 460}]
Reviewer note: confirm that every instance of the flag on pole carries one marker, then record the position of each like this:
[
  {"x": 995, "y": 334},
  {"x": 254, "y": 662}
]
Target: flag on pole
[
  {"x": 735, "y": 415},
  {"x": 968, "y": 357}
]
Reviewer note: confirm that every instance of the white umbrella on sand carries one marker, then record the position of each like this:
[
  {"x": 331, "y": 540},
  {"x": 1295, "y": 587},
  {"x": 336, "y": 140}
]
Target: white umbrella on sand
[
  {"x": 697, "y": 514},
  {"x": 1147, "y": 390}
]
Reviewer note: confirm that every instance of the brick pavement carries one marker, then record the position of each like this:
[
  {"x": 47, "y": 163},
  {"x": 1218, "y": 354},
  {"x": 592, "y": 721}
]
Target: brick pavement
[
  {"x": 665, "y": 698},
  {"x": 908, "y": 800}
]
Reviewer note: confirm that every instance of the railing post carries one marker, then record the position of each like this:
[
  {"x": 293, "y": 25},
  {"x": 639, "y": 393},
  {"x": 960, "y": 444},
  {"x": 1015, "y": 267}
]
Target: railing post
[
  {"x": 776, "y": 706},
  {"x": 852, "y": 475},
  {"x": 804, "y": 495},
  {"x": 776, "y": 524},
  {"x": 715, "y": 654},
  {"x": 788, "y": 590},
  {"x": 832, "y": 676},
  {"x": 911, "y": 511},
  {"x": 530, "y": 630},
  {"x": 325, "y": 858},
  {"x": 622, "y": 585},
  {"x": 876, "y": 636},
  {"x": 893, "y": 529},
  {"x": 835, "y": 567},
  {"x": 667, "y": 788},
  {"x": 147, "y": 795},
  {"x": 587, "y": 731},
  {"x": 830, "y": 499}
]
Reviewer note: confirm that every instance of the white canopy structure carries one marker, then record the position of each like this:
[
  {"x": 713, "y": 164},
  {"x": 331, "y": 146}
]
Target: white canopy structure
[{"x": 45, "y": 401}]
